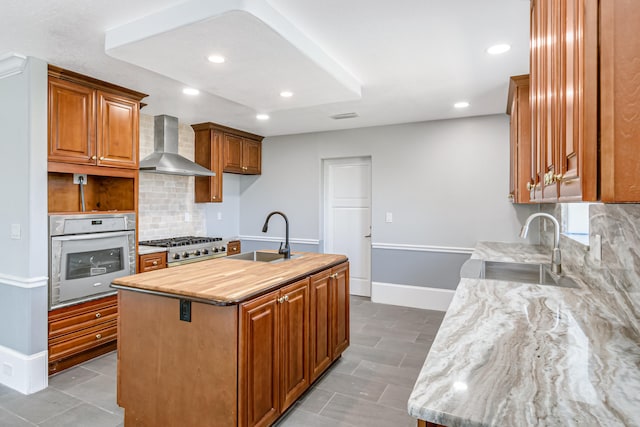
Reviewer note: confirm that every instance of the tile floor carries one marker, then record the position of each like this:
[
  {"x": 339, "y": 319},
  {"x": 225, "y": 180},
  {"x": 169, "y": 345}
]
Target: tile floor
[{"x": 369, "y": 386}]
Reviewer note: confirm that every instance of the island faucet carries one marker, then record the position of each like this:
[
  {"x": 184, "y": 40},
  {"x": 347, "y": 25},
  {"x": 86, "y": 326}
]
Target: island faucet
[
  {"x": 556, "y": 266},
  {"x": 286, "y": 251}
]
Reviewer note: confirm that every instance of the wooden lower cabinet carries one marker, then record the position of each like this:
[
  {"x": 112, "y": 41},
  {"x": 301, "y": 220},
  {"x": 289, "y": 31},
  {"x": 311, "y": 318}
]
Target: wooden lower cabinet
[
  {"x": 82, "y": 332},
  {"x": 153, "y": 261},
  {"x": 428, "y": 424},
  {"x": 274, "y": 353},
  {"x": 239, "y": 365},
  {"x": 329, "y": 310},
  {"x": 234, "y": 247}
]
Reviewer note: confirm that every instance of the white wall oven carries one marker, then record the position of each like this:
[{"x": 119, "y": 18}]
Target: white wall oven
[{"x": 87, "y": 252}]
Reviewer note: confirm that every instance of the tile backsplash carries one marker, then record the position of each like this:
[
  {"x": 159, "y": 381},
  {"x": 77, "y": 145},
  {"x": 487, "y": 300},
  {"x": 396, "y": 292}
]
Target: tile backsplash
[
  {"x": 617, "y": 274},
  {"x": 165, "y": 203}
]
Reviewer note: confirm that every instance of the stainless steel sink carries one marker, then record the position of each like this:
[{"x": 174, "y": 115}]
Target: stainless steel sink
[
  {"x": 538, "y": 274},
  {"x": 260, "y": 256}
]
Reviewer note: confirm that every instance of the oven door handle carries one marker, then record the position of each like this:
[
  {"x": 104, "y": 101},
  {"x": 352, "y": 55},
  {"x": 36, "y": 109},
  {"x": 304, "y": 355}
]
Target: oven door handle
[{"x": 93, "y": 236}]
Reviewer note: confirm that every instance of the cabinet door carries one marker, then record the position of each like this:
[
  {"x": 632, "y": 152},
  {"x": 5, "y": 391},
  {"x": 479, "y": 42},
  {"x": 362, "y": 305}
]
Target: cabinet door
[
  {"x": 340, "y": 309},
  {"x": 259, "y": 364},
  {"x": 579, "y": 100},
  {"x": 520, "y": 138},
  {"x": 232, "y": 154},
  {"x": 294, "y": 338},
  {"x": 71, "y": 122},
  {"x": 209, "y": 152},
  {"x": 321, "y": 353},
  {"x": 117, "y": 131},
  {"x": 251, "y": 157}
]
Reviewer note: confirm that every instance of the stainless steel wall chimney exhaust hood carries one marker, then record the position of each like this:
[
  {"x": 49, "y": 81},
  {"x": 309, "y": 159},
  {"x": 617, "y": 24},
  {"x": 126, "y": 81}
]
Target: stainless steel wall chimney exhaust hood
[{"x": 165, "y": 158}]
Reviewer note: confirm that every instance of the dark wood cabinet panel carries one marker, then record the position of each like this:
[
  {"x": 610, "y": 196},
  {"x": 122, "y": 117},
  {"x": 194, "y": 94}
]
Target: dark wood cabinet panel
[
  {"x": 294, "y": 336},
  {"x": 519, "y": 139},
  {"x": 81, "y": 332},
  {"x": 259, "y": 376},
  {"x": 71, "y": 123},
  {"x": 117, "y": 131},
  {"x": 233, "y": 154},
  {"x": 321, "y": 354},
  {"x": 150, "y": 262},
  {"x": 209, "y": 152},
  {"x": 234, "y": 247},
  {"x": 340, "y": 309},
  {"x": 251, "y": 157}
]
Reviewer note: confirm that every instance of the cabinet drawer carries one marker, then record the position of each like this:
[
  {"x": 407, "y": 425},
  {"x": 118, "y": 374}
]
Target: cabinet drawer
[
  {"x": 150, "y": 262},
  {"x": 72, "y": 344},
  {"x": 233, "y": 247},
  {"x": 84, "y": 316}
]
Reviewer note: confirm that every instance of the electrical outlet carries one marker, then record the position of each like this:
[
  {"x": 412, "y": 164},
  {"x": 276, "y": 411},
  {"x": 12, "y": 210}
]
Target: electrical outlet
[
  {"x": 596, "y": 248},
  {"x": 185, "y": 310},
  {"x": 77, "y": 176},
  {"x": 7, "y": 370},
  {"x": 187, "y": 217},
  {"x": 388, "y": 217},
  {"x": 219, "y": 216}
]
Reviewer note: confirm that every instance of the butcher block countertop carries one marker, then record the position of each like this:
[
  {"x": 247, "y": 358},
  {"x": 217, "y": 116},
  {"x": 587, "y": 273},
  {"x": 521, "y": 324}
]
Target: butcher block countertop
[{"x": 226, "y": 281}]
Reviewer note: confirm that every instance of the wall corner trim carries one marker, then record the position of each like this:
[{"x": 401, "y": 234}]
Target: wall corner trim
[
  {"x": 27, "y": 374},
  {"x": 12, "y": 63},
  {"x": 23, "y": 282},
  {"x": 411, "y": 296},
  {"x": 422, "y": 248}
]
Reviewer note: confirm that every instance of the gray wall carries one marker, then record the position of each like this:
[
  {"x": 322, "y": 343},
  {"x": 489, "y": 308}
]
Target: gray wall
[
  {"x": 23, "y": 190},
  {"x": 446, "y": 183}
]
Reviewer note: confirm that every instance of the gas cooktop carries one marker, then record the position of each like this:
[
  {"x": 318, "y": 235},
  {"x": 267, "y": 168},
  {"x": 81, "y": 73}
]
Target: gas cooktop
[
  {"x": 182, "y": 250},
  {"x": 180, "y": 241}
]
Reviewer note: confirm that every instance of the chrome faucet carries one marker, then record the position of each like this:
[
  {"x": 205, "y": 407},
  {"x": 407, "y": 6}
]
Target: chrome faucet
[
  {"x": 286, "y": 251},
  {"x": 556, "y": 266}
]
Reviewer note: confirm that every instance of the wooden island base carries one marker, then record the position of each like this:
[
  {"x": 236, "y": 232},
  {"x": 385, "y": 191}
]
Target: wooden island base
[{"x": 228, "y": 365}]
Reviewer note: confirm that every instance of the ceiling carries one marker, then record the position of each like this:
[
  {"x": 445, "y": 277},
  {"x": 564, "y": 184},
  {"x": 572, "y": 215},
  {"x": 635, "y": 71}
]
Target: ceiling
[{"x": 388, "y": 62}]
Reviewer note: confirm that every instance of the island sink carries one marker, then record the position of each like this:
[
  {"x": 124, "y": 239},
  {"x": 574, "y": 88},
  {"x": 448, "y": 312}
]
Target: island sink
[{"x": 261, "y": 256}]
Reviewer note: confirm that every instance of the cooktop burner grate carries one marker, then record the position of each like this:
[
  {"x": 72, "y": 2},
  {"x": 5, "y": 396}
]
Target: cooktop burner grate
[{"x": 180, "y": 241}]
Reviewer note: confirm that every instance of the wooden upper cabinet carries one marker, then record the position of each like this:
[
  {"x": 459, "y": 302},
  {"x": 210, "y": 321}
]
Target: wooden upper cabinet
[
  {"x": 619, "y": 106},
  {"x": 584, "y": 109},
  {"x": 117, "y": 131},
  {"x": 71, "y": 124},
  {"x": 242, "y": 155},
  {"x": 92, "y": 122},
  {"x": 209, "y": 152},
  {"x": 520, "y": 139}
]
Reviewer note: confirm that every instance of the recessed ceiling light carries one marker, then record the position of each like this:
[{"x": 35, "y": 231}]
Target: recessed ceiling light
[
  {"x": 461, "y": 104},
  {"x": 262, "y": 116},
  {"x": 190, "y": 91},
  {"x": 216, "y": 59},
  {"x": 498, "y": 49},
  {"x": 286, "y": 94}
]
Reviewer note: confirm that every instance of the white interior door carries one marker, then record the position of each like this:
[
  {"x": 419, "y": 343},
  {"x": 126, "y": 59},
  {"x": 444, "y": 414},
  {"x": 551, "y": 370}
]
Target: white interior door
[{"x": 347, "y": 217}]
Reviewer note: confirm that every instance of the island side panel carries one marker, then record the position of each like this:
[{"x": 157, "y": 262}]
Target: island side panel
[{"x": 173, "y": 372}]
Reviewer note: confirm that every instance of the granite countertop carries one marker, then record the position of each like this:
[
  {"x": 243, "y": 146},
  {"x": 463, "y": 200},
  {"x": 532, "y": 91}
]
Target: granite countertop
[
  {"x": 227, "y": 281},
  {"x": 143, "y": 250},
  {"x": 513, "y": 354}
]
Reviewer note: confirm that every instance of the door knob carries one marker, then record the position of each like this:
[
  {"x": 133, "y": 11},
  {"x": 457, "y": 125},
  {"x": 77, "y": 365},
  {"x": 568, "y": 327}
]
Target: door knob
[{"x": 368, "y": 235}]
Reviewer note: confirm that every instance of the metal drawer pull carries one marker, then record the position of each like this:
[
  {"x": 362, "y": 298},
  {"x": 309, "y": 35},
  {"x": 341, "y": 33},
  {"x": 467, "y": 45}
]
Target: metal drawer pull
[
  {"x": 281, "y": 300},
  {"x": 98, "y": 315},
  {"x": 286, "y": 297},
  {"x": 155, "y": 262},
  {"x": 98, "y": 336},
  {"x": 334, "y": 276}
]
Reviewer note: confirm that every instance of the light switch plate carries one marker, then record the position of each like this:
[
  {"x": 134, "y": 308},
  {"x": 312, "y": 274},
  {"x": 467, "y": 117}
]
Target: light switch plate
[
  {"x": 388, "y": 217},
  {"x": 15, "y": 231}
]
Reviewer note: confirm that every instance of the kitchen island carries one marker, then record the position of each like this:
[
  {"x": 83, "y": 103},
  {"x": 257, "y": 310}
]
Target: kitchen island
[
  {"x": 516, "y": 354},
  {"x": 228, "y": 342}
]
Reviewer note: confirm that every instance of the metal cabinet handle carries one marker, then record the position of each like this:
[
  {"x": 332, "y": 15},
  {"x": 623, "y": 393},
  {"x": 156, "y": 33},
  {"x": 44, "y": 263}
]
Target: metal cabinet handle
[
  {"x": 98, "y": 315},
  {"x": 213, "y": 197},
  {"x": 93, "y": 157},
  {"x": 155, "y": 263},
  {"x": 334, "y": 276},
  {"x": 280, "y": 300},
  {"x": 101, "y": 157},
  {"x": 368, "y": 235},
  {"x": 98, "y": 336},
  {"x": 286, "y": 297}
]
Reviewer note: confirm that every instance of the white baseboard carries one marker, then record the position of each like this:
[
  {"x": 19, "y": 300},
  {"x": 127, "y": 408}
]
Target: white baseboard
[
  {"x": 24, "y": 373},
  {"x": 411, "y": 296},
  {"x": 359, "y": 288}
]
